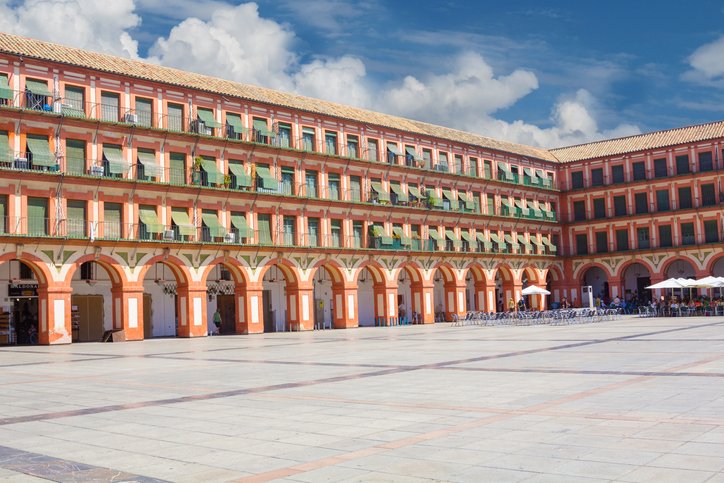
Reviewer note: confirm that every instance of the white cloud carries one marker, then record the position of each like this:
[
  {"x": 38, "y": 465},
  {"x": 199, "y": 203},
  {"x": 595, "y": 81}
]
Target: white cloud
[
  {"x": 707, "y": 63},
  {"x": 89, "y": 24}
]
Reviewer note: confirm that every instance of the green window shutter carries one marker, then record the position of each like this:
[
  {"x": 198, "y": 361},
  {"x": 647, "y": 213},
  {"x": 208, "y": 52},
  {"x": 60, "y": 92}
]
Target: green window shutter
[
  {"x": 236, "y": 169},
  {"x": 38, "y": 87},
  {"x": 112, "y": 219},
  {"x": 401, "y": 195},
  {"x": 260, "y": 126},
  {"x": 381, "y": 193},
  {"x": 175, "y": 119},
  {"x": 73, "y": 104},
  {"x": 211, "y": 220},
  {"x": 177, "y": 168},
  {"x": 5, "y": 91},
  {"x": 75, "y": 218},
  {"x": 5, "y": 154},
  {"x": 144, "y": 112},
  {"x": 40, "y": 149},
  {"x": 238, "y": 221},
  {"x": 207, "y": 117},
  {"x": 75, "y": 156},
  {"x": 213, "y": 175},
  {"x": 151, "y": 168},
  {"x": 354, "y": 188},
  {"x": 37, "y": 216},
  {"x": 264, "y": 229},
  {"x": 180, "y": 217},
  {"x": 114, "y": 155},
  {"x": 3, "y": 213},
  {"x": 268, "y": 181},
  {"x": 147, "y": 216},
  {"x": 110, "y": 104}
]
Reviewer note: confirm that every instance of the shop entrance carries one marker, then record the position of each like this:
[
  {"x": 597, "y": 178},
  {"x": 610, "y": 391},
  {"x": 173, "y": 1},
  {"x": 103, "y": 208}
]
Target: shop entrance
[
  {"x": 227, "y": 307},
  {"x": 25, "y": 315},
  {"x": 90, "y": 317}
]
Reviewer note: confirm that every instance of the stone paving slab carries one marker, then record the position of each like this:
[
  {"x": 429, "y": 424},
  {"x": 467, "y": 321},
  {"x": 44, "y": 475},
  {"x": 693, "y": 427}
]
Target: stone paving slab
[{"x": 630, "y": 400}]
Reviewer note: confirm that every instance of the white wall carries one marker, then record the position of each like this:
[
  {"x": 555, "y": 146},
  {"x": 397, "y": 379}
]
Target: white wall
[
  {"x": 366, "y": 301},
  {"x": 278, "y": 299},
  {"x": 163, "y": 306}
]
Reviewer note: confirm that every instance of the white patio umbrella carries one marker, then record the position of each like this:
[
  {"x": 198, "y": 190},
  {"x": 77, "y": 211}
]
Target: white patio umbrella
[
  {"x": 669, "y": 283},
  {"x": 533, "y": 290}
]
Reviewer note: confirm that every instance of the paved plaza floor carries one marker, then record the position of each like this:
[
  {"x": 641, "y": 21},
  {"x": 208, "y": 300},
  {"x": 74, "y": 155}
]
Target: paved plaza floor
[{"x": 630, "y": 400}]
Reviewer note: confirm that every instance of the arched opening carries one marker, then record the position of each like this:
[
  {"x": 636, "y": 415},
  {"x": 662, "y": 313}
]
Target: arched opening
[
  {"x": 221, "y": 310},
  {"x": 636, "y": 277},
  {"x": 323, "y": 282},
  {"x": 530, "y": 277},
  {"x": 20, "y": 316},
  {"x": 504, "y": 288},
  {"x": 717, "y": 269},
  {"x": 475, "y": 290},
  {"x": 160, "y": 301},
  {"x": 681, "y": 268},
  {"x": 404, "y": 295},
  {"x": 553, "y": 297},
  {"x": 274, "y": 298},
  {"x": 597, "y": 279},
  {"x": 92, "y": 301},
  {"x": 366, "y": 296},
  {"x": 443, "y": 297}
]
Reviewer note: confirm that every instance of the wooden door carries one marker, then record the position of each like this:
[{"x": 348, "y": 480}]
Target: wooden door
[
  {"x": 227, "y": 308},
  {"x": 90, "y": 317},
  {"x": 147, "y": 317}
]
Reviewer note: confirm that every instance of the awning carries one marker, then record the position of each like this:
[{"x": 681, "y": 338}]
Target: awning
[
  {"x": 551, "y": 215},
  {"x": 481, "y": 238},
  {"x": 404, "y": 239},
  {"x": 548, "y": 243},
  {"x": 414, "y": 191},
  {"x": 268, "y": 181},
  {"x": 239, "y": 222},
  {"x": 521, "y": 205},
  {"x": 496, "y": 239},
  {"x": 401, "y": 195},
  {"x": 450, "y": 235},
  {"x": 212, "y": 223},
  {"x": 411, "y": 151},
  {"x": 381, "y": 193},
  {"x": 535, "y": 242},
  {"x": 527, "y": 245},
  {"x": 467, "y": 236},
  {"x": 435, "y": 235},
  {"x": 510, "y": 241},
  {"x": 467, "y": 199},
  {"x": 114, "y": 155},
  {"x": 386, "y": 240},
  {"x": 5, "y": 91},
  {"x": 377, "y": 230},
  {"x": 181, "y": 219},
  {"x": 38, "y": 88},
  {"x": 4, "y": 147},
  {"x": 504, "y": 202},
  {"x": 213, "y": 175},
  {"x": 207, "y": 117},
  {"x": 148, "y": 217},
  {"x": 41, "y": 152},
  {"x": 150, "y": 166},
  {"x": 242, "y": 179},
  {"x": 393, "y": 149},
  {"x": 434, "y": 200},
  {"x": 260, "y": 126},
  {"x": 235, "y": 122},
  {"x": 506, "y": 171},
  {"x": 536, "y": 211},
  {"x": 531, "y": 173},
  {"x": 448, "y": 194},
  {"x": 70, "y": 111}
]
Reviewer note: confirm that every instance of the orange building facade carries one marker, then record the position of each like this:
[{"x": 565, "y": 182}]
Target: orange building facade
[{"x": 153, "y": 201}]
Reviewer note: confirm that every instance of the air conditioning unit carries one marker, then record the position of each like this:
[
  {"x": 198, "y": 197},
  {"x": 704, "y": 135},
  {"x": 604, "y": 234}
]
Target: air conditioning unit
[
  {"x": 230, "y": 238},
  {"x": 96, "y": 170},
  {"x": 168, "y": 235},
  {"x": 21, "y": 160},
  {"x": 21, "y": 163},
  {"x": 132, "y": 118}
]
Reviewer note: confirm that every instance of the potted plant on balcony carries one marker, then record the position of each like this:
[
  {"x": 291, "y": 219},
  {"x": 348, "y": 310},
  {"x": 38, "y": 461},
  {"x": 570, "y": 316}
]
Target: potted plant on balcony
[
  {"x": 196, "y": 174},
  {"x": 227, "y": 181}
]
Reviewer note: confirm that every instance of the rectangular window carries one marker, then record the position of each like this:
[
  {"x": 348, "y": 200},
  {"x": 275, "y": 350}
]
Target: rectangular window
[
  {"x": 639, "y": 171},
  {"x": 599, "y": 208},
  {"x": 175, "y": 119},
  {"x": 144, "y": 112},
  {"x": 581, "y": 244},
  {"x": 372, "y": 150},
  {"x": 335, "y": 233},
  {"x": 491, "y": 204},
  {"x": 682, "y": 164},
  {"x": 642, "y": 236},
  {"x": 333, "y": 183},
  {"x": 622, "y": 240},
  {"x": 442, "y": 162},
  {"x": 427, "y": 158},
  {"x": 687, "y": 234},
  {"x": 37, "y": 95},
  {"x": 473, "y": 168},
  {"x": 285, "y": 135},
  {"x": 707, "y": 195},
  {"x": 3, "y": 213},
  {"x": 177, "y": 168},
  {"x": 74, "y": 102},
  {"x": 288, "y": 182},
  {"x": 330, "y": 142},
  {"x": 619, "y": 205},
  {"x": 310, "y": 183},
  {"x": 665, "y": 238},
  {"x": 357, "y": 230},
  {"x": 601, "y": 242},
  {"x": 308, "y": 139},
  {"x": 662, "y": 200},
  {"x": 289, "y": 235},
  {"x": 75, "y": 218},
  {"x": 577, "y": 180},
  {"x": 597, "y": 177},
  {"x": 579, "y": 210},
  {"x": 392, "y": 153},
  {"x": 617, "y": 175},
  {"x": 352, "y": 146},
  {"x": 264, "y": 228},
  {"x": 6, "y": 93},
  {"x": 711, "y": 231},
  {"x": 112, "y": 221},
  {"x": 685, "y": 198},
  {"x": 37, "y": 216},
  {"x": 75, "y": 157},
  {"x": 261, "y": 132},
  {"x": 355, "y": 188},
  {"x": 110, "y": 107},
  {"x": 312, "y": 232},
  {"x": 705, "y": 161},
  {"x": 459, "y": 168},
  {"x": 487, "y": 169},
  {"x": 660, "y": 170},
  {"x": 641, "y": 203}
]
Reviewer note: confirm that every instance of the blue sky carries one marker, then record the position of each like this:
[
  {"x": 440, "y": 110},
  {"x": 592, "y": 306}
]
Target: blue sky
[{"x": 545, "y": 73}]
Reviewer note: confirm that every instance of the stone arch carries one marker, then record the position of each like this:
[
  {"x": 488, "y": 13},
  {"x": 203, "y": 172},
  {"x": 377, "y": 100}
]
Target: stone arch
[
  {"x": 505, "y": 271},
  {"x": 235, "y": 267},
  {"x": 679, "y": 262},
  {"x": 288, "y": 269},
  {"x": 477, "y": 271},
  {"x": 413, "y": 269},
  {"x": 36, "y": 264},
  {"x": 641, "y": 261},
  {"x": 333, "y": 267},
  {"x": 447, "y": 270},
  {"x": 376, "y": 270},
  {"x": 109, "y": 264},
  {"x": 175, "y": 265},
  {"x": 716, "y": 262},
  {"x": 580, "y": 271}
]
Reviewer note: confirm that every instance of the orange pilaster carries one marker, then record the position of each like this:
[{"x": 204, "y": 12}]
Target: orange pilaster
[
  {"x": 422, "y": 301},
  {"x": 128, "y": 310},
  {"x": 385, "y": 304},
  {"x": 249, "y": 319},
  {"x": 345, "y": 307},
  {"x": 191, "y": 311},
  {"x": 300, "y": 301},
  {"x": 54, "y": 322},
  {"x": 485, "y": 297},
  {"x": 455, "y": 300}
]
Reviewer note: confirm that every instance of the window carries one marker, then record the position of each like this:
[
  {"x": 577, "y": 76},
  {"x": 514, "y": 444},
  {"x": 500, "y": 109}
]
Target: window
[
  {"x": 330, "y": 142},
  {"x": 476, "y": 201},
  {"x": 491, "y": 204},
  {"x": 261, "y": 131},
  {"x": 333, "y": 183},
  {"x": 147, "y": 167},
  {"x": 442, "y": 162},
  {"x": 312, "y": 232},
  {"x": 75, "y": 156},
  {"x": 392, "y": 153},
  {"x": 37, "y": 216},
  {"x": 148, "y": 223},
  {"x": 263, "y": 225},
  {"x": 310, "y": 183},
  {"x": 144, "y": 112},
  {"x": 579, "y": 210},
  {"x": 355, "y": 188},
  {"x": 662, "y": 200},
  {"x": 660, "y": 170},
  {"x": 622, "y": 240},
  {"x": 308, "y": 139},
  {"x": 288, "y": 183},
  {"x": 110, "y": 106},
  {"x": 285, "y": 134},
  {"x": 74, "y": 102},
  {"x": 597, "y": 177},
  {"x": 175, "y": 119},
  {"x": 427, "y": 158},
  {"x": 38, "y": 153},
  {"x": 707, "y": 195},
  {"x": 289, "y": 234},
  {"x": 601, "y": 242},
  {"x": 581, "y": 244},
  {"x": 684, "y": 198},
  {"x": 352, "y": 146},
  {"x": 473, "y": 168},
  {"x": 372, "y": 150},
  {"x": 357, "y": 230},
  {"x": 599, "y": 208},
  {"x": 177, "y": 168},
  {"x": 112, "y": 221},
  {"x": 335, "y": 233},
  {"x": 705, "y": 162},
  {"x": 619, "y": 205},
  {"x": 711, "y": 231},
  {"x": 487, "y": 169},
  {"x": 665, "y": 238},
  {"x": 682, "y": 164},
  {"x": 617, "y": 175},
  {"x": 641, "y": 203},
  {"x": 639, "y": 171},
  {"x": 459, "y": 168},
  {"x": 238, "y": 176},
  {"x": 687, "y": 234},
  {"x": 37, "y": 94},
  {"x": 577, "y": 180},
  {"x": 6, "y": 93},
  {"x": 642, "y": 236}
]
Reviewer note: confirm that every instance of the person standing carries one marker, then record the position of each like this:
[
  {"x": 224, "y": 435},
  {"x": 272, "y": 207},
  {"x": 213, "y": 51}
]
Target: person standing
[{"x": 217, "y": 323}]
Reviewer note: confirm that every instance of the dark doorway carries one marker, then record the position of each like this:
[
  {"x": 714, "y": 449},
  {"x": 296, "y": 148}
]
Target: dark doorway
[
  {"x": 227, "y": 308},
  {"x": 25, "y": 315}
]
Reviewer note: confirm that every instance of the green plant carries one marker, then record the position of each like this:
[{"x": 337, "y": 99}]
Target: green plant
[
  {"x": 198, "y": 162},
  {"x": 227, "y": 180}
]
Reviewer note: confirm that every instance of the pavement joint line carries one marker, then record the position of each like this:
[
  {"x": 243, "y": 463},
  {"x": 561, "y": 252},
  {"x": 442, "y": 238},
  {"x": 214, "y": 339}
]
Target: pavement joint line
[{"x": 341, "y": 378}]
